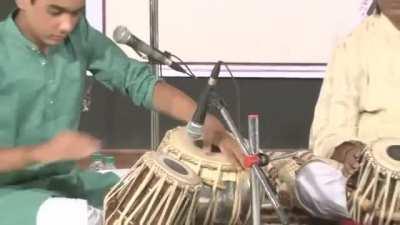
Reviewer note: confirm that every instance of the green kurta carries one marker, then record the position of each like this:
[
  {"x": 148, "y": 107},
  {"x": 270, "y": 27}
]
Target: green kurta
[{"x": 40, "y": 95}]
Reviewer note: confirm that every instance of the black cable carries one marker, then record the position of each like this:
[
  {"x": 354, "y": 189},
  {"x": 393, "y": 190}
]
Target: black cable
[
  {"x": 161, "y": 72},
  {"x": 373, "y": 8},
  {"x": 189, "y": 71},
  {"x": 154, "y": 68},
  {"x": 237, "y": 95}
]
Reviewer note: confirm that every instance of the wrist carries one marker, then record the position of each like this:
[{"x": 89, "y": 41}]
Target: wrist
[{"x": 35, "y": 154}]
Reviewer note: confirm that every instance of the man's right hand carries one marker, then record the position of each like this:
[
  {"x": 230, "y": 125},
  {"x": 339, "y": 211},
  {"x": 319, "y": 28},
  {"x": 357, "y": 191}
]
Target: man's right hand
[
  {"x": 67, "y": 145},
  {"x": 349, "y": 153}
]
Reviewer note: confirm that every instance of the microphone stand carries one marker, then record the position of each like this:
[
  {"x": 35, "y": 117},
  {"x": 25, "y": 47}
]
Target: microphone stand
[{"x": 217, "y": 102}]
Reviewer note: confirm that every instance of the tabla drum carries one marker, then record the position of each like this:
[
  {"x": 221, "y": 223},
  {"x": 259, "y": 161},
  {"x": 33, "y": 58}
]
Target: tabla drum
[
  {"x": 375, "y": 198},
  {"x": 225, "y": 194},
  {"x": 308, "y": 184},
  {"x": 157, "y": 190},
  {"x": 282, "y": 173}
]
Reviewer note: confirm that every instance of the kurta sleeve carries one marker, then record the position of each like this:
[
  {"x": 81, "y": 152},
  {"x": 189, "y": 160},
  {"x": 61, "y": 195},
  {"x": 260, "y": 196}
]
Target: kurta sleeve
[
  {"x": 110, "y": 65},
  {"x": 337, "y": 111}
]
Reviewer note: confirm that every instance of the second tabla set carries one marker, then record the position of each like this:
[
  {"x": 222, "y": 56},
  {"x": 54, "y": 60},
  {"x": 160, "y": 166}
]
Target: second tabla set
[{"x": 370, "y": 197}]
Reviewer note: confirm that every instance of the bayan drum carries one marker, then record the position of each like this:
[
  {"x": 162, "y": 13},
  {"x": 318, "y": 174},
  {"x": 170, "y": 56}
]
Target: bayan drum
[
  {"x": 376, "y": 195},
  {"x": 282, "y": 173},
  {"x": 305, "y": 182},
  {"x": 225, "y": 195},
  {"x": 157, "y": 190}
]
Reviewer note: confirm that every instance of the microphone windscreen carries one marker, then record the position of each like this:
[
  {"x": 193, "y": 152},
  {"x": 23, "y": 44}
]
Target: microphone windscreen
[{"x": 121, "y": 35}]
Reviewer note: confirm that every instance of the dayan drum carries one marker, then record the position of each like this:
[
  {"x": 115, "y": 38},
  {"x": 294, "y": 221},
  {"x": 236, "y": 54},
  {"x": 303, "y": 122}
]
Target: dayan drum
[
  {"x": 376, "y": 197},
  {"x": 225, "y": 195},
  {"x": 157, "y": 190}
]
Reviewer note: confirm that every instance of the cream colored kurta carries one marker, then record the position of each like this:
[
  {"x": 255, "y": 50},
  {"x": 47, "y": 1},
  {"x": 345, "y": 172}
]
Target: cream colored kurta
[{"x": 360, "y": 95}]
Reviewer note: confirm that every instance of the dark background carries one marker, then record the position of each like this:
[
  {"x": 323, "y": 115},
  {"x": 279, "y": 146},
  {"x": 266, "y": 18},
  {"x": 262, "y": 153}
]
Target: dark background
[{"x": 285, "y": 107}]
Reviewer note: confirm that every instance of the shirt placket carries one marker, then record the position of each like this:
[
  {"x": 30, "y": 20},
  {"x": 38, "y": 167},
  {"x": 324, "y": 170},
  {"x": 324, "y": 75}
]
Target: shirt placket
[{"x": 48, "y": 72}]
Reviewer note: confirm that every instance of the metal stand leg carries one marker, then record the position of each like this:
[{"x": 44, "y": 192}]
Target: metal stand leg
[
  {"x": 255, "y": 187},
  {"x": 262, "y": 178}
]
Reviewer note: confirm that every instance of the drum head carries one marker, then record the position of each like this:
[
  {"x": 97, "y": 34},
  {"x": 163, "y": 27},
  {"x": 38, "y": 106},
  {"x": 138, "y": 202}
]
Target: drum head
[
  {"x": 181, "y": 144},
  {"x": 173, "y": 168},
  {"x": 386, "y": 154}
]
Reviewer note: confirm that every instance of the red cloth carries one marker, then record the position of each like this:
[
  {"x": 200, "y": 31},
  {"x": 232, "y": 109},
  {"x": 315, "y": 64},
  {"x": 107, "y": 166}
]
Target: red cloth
[{"x": 348, "y": 222}]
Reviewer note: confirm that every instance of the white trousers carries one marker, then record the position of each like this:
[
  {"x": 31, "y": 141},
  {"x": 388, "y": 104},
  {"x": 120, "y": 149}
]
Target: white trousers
[{"x": 68, "y": 211}]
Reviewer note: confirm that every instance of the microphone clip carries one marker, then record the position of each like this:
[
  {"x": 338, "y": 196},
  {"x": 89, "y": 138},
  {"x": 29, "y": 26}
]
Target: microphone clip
[{"x": 195, "y": 126}]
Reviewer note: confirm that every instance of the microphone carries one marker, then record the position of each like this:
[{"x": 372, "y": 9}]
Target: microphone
[
  {"x": 122, "y": 36},
  {"x": 195, "y": 126}
]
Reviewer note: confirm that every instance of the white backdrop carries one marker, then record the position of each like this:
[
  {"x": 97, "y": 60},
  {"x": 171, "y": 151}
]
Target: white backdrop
[{"x": 251, "y": 31}]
